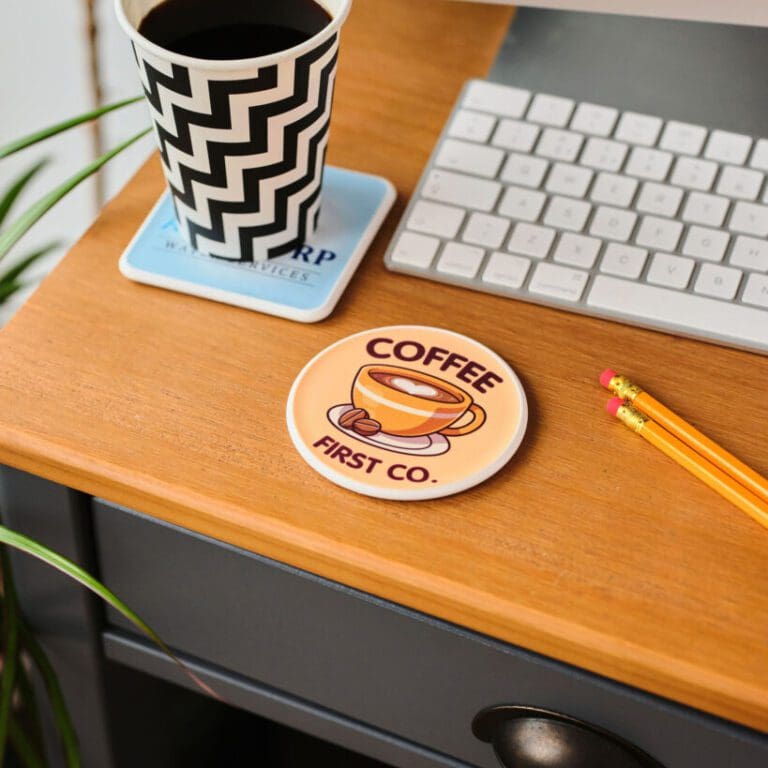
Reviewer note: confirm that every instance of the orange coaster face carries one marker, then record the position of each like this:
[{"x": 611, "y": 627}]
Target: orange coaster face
[{"x": 407, "y": 412}]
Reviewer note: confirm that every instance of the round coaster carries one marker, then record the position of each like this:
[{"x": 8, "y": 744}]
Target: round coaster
[{"x": 407, "y": 412}]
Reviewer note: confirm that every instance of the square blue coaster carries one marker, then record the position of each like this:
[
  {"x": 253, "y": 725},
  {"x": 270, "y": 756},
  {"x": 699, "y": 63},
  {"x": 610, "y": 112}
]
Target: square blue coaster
[{"x": 304, "y": 286}]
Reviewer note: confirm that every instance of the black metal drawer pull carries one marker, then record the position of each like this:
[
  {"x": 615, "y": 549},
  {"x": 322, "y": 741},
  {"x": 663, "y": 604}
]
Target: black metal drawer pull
[{"x": 528, "y": 737}]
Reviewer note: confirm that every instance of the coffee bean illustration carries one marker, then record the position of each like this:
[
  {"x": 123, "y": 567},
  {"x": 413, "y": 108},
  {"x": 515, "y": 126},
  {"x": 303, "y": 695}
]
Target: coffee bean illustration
[
  {"x": 350, "y": 417},
  {"x": 367, "y": 427}
]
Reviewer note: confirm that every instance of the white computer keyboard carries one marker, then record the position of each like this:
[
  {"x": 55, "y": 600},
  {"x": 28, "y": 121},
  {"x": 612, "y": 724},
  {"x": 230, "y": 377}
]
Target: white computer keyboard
[{"x": 616, "y": 214}]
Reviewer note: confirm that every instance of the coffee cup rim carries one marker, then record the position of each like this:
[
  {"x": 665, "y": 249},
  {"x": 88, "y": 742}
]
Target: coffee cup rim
[
  {"x": 221, "y": 65},
  {"x": 466, "y": 398}
]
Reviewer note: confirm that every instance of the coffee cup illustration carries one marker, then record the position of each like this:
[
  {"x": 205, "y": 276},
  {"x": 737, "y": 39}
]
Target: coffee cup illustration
[{"x": 408, "y": 403}]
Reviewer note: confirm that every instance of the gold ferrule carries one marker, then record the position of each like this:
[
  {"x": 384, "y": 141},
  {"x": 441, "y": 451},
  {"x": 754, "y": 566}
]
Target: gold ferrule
[
  {"x": 631, "y": 417},
  {"x": 622, "y": 387}
]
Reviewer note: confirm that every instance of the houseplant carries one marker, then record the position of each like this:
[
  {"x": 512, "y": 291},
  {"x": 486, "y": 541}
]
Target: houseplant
[
  {"x": 11, "y": 278},
  {"x": 22, "y": 654}
]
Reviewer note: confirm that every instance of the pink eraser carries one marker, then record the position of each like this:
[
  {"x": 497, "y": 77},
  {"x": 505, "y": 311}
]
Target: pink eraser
[
  {"x": 613, "y": 405},
  {"x": 606, "y": 376}
]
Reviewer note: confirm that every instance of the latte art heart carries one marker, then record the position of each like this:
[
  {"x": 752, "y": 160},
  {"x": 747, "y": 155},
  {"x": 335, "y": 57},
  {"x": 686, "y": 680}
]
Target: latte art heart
[{"x": 414, "y": 387}]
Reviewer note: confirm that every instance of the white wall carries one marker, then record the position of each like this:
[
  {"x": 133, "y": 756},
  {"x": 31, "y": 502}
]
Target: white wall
[
  {"x": 43, "y": 79},
  {"x": 752, "y": 12}
]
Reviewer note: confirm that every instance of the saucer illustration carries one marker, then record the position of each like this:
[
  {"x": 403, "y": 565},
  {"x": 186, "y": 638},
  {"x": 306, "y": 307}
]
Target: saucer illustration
[{"x": 420, "y": 445}]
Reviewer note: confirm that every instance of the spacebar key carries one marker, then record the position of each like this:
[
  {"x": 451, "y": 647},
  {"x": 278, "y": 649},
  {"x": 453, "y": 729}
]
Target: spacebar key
[{"x": 698, "y": 314}]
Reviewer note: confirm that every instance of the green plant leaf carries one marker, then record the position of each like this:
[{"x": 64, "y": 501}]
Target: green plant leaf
[
  {"x": 10, "y": 652},
  {"x": 55, "y": 697},
  {"x": 17, "y": 187},
  {"x": 8, "y": 289},
  {"x": 9, "y": 280},
  {"x": 33, "y": 214},
  {"x": 31, "y": 547},
  {"x": 24, "y": 748},
  {"x": 46, "y": 133},
  {"x": 29, "y": 716},
  {"x": 48, "y": 675},
  {"x": 34, "y": 650},
  {"x": 22, "y": 265}
]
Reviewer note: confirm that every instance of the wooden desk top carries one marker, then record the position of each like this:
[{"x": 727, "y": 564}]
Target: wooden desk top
[{"x": 590, "y": 546}]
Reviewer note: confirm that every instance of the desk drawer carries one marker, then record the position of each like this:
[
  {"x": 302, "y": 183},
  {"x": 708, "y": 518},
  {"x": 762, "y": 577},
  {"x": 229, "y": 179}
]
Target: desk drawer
[{"x": 375, "y": 662}]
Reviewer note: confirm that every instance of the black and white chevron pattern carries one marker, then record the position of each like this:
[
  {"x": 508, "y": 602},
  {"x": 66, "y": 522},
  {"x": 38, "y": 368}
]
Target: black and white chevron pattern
[{"x": 244, "y": 150}]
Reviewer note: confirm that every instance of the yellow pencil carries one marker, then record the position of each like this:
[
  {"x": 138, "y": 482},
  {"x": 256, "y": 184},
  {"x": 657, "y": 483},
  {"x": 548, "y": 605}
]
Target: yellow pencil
[
  {"x": 687, "y": 458},
  {"x": 709, "y": 449}
]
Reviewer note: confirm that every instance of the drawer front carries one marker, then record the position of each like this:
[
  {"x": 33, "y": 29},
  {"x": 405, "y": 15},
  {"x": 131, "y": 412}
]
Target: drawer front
[{"x": 372, "y": 661}]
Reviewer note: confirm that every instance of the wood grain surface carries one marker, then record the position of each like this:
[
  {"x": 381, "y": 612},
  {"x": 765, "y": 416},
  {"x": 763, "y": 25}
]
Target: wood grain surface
[{"x": 589, "y": 547}]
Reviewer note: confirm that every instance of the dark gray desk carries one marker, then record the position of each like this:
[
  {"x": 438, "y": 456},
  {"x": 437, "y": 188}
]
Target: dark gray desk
[{"x": 374, "y": 677}]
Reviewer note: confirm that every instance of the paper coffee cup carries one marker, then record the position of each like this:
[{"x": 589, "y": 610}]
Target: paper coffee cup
[{"x": 242, "y": 141}]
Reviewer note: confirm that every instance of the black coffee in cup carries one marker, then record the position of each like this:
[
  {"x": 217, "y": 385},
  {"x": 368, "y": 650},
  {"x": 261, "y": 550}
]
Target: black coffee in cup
[{"x": 233, "y": 29}]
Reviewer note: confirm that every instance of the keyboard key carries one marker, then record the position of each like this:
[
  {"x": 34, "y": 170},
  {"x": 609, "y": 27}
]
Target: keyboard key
[
  {"x": 571, "y": 180},
  {"x": 701, "y": 208},
  {"x": 659, "y": 199},
  {"x": 594, "y": 119},
  {"x": 550, "y": 110},
  {"x": 750, "y": 253},
  {"x": 756, "y": 292},
  {"x": 683, "y": 138},
  {"x": 744, "y": 325},
  {"x": 623, "y": 260},
  {"x": 516, "y": 135},
  {"x": 759, "y": 157},
  {"x": 663, "y": 213},
  {"x": 741, "y": 183},
  {"x": 499, "y": 99},
  {"x": 460, "y": 260},
  {"x": 565, "y": 213},
  {"x": 473, "y": 126},
  {"x": 467, "y": 157},
  {"x": 708, "y": 244},
  {"x": 577, "y": 250},
  {"x": 604, "y": 154},
  {"x": 659, "y": 234},
  {"x": 614, "y": 190},
  {"x": 671, "y": 271},
  {"x": 613, "y": 223},
  {"x": 488, "y": 231},
  {"x": 728, "y": 147},
  {"x": 435, "y": 219},
  {"x": 457, "y": 189},
  {"x": 507, "y": 270},
  {"x": 559, "y": 145},
  {"x": 638, "y": 129},
  {"x": 558, "y": 282},
  {"x": 662, "y": 223},
  {"x": 531, "y": 240},
  {"x": 693, "y": 173},
  {"x": 749, "y": 218},
  {"x": 415, "y": 250},
  {"x": 522, "y": 204},
  {"x": 650, "y": 164},
  {"x": 525, "y": 170},
  {"x": 717, "y": 281}
]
